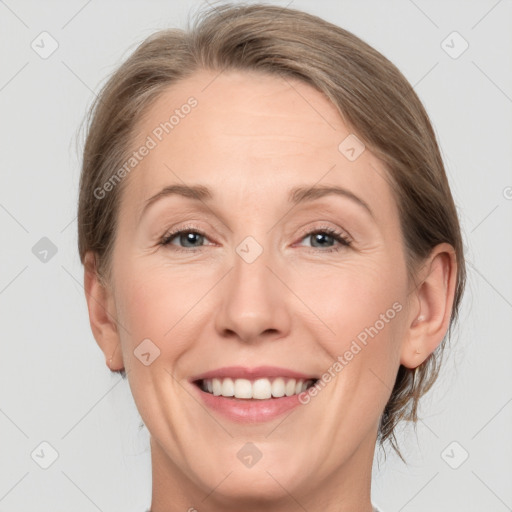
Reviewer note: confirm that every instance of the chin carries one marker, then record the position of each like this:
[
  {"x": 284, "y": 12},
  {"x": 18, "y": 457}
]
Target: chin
[{"x": 267, "y": 480}]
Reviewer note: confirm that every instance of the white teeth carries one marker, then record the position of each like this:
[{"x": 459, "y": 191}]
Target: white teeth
[
  {"x": 217, "y": 387},
  {"x": 243, "y": 388},
  {"x": 278, "y": 387},
  {"x": 228, "y": 387},
  {"x": 290, "y": 387},
  {"x": 259, "y": 389},
  {"x": 262, "y": 389}
]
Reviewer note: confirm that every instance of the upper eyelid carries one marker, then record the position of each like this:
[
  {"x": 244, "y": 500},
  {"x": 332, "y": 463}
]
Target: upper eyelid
[
  {"x": 173, "y": 233},
  {"x": 305, "y": 230},
  {"x": 340, "y": 231}
]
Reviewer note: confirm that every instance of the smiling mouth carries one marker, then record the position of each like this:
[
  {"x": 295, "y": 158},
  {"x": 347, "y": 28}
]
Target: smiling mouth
[{"x": 257, "y": 389}]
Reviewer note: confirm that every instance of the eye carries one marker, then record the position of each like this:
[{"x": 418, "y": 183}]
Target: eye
[
  {"x": 190, "y": 237},
  {"x": 323, "y": 236}
]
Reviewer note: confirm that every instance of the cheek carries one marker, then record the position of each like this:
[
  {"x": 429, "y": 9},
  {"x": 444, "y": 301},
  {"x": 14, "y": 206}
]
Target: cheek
[
  {"x": 157, "y": 304},
  {"x": 361, "y": 305}
]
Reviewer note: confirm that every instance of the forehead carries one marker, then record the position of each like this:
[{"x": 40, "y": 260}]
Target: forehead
[{"x": 253, "y": 134}]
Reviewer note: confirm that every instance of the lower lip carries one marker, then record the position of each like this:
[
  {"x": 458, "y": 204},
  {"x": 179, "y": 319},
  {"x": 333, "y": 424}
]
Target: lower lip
[{"x": 242, "y": 410}]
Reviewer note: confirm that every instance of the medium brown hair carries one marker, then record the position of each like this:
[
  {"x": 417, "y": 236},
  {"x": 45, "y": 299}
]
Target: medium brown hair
[{"x": 372, "y": 96}]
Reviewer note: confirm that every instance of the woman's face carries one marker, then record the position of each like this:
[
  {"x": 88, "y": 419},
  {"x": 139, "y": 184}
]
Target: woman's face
[{"x": 257, "y": 287}]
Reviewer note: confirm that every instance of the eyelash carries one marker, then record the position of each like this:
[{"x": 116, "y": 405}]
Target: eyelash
[{"x": 338, "y": 236}]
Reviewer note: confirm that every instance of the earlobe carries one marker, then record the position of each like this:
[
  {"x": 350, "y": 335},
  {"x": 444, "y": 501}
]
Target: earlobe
[
  {"x": 100, "y": 304},
  {"x": 429, "y": 321}
]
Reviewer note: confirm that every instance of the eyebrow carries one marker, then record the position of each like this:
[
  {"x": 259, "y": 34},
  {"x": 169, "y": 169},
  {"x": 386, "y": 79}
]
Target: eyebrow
[
  {"x": 296, "y": 195},
  {"x": 309, "y": 193}
]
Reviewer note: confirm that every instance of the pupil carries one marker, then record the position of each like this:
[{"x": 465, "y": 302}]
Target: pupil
[
  {"x": 189, "y": 237},
  {"x": 320, "y": 236}
]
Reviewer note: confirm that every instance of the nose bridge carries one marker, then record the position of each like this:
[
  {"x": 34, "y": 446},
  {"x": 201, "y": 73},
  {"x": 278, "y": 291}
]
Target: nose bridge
[
  {"x": 251, "y": 273},
  {"x": 254, "y": 302}
]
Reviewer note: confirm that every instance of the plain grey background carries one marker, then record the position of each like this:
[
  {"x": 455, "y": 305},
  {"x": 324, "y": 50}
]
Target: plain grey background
[{"x": 55, "y": 386}]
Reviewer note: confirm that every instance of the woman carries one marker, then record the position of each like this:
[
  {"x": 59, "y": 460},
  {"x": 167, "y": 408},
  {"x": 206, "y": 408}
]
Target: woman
[{"x": 272, "y": 257}]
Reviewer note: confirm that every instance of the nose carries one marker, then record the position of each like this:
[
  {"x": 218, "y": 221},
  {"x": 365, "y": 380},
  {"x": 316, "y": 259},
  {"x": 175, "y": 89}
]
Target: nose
[{"x": 255, "y": 302}]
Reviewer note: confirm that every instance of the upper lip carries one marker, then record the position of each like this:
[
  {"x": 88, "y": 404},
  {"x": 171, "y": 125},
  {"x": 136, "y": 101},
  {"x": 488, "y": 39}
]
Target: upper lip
[{"x": 243, "y": 372}]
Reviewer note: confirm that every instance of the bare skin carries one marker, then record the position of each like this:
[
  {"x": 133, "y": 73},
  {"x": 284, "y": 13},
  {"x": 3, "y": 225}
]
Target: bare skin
[{"x": 299, "y": 304}]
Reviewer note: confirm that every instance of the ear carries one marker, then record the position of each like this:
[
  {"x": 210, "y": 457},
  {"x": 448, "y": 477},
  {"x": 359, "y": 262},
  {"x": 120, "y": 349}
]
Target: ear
[
  {"x": 101, "y": 306},
  {"x": 429, "y": 320}
]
